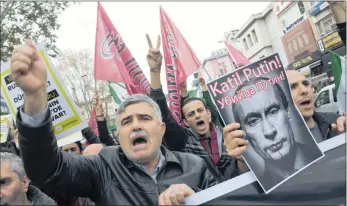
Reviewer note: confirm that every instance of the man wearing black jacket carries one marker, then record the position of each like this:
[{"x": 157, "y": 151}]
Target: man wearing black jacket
[
  {"x": 139, "y": 171},
  {"x": 201, "y": 137}
]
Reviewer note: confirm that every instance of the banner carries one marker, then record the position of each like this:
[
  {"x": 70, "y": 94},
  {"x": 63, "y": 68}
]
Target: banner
[
  {"x": 4, "y": 128},
  {"x": 66, "y": 115},
  {"x": 113, "y": 60},
  {"x": 258, "y": 97},
  {"x": 180, "y": 62}
]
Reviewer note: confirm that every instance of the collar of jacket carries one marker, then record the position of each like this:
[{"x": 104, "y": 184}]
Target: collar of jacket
[
  {"x": 170, "y": 158},
  {"x": 36, "y": 197}
]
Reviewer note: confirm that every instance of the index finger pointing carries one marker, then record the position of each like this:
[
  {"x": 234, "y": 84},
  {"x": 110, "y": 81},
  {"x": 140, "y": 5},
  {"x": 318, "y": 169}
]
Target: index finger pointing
[
  {"x": 158, "y": 42},
  {"x": 149, "y": 42}
]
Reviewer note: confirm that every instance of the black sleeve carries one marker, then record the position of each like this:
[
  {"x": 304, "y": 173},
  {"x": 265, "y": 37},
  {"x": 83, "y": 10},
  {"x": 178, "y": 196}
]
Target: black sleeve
[
  {"x": 175, "y": 137},
  {"x": 342, "y": 31},
  {"x": 50, "y": 168},
  {"x": 90, "y": 136},
  {"x": 104, "y": 135}
]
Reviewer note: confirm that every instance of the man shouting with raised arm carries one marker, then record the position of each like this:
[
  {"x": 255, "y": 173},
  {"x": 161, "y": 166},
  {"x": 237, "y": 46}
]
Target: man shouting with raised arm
[
  {"x": 138, "y": 172},
  {"x": 202, "y": 137}
]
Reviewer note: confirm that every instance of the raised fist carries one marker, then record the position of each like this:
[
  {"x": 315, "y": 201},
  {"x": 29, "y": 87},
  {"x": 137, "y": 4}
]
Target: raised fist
[
  {"x": 28, "y": 69},
  {"x": 154, "y": 57}
]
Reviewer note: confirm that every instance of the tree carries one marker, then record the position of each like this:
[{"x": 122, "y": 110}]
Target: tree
[
  {"x": 36, "y": 20},
  {"x": 76, "y": 70}
]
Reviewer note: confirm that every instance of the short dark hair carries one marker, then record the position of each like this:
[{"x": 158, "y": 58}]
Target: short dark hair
[
  {"x": 190, "y": 99},
  {"x": 253, "y": 80}
]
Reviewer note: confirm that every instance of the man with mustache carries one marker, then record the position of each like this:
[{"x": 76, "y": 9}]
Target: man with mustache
[
  {"x": 265, "y": 121},
  {"x": 138, "y": 172}
]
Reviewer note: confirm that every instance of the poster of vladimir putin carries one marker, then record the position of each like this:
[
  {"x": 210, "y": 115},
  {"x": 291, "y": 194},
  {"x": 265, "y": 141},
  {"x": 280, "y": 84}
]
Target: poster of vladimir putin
[{"x": 258, "y": 97}]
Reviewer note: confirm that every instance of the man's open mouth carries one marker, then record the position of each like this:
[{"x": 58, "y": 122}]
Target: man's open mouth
[
  {"x": 305, "y": 103},
  {"x": 139, "y": 140},
  {"x": 200, "y": 123},
  {"x": 277, "y": 146}
]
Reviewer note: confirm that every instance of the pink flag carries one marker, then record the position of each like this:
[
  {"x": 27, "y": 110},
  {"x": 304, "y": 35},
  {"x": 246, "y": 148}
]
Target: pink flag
[
  {"x": 113, "y": 60},
  {"x": 180, "y": 62},
  {"x": 236, "y": 55},
  {"x": 92, "y": 123}
]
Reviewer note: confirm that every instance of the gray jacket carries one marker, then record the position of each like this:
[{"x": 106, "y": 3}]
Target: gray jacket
[{"x": 36, "y": 197}]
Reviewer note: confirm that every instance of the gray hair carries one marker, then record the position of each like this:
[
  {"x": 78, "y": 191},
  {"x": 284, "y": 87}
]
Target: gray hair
[
  {"x": 138, "y": 98},
  {"x": 16, "y": 163}
]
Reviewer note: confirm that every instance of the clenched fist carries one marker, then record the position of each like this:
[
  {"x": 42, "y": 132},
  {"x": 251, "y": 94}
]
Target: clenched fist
[
  {"x": 28, "y": 69},
  {"x": 175, "y": 194},
  {"x": 29, "y": 72},
  {"x": 154, "y": 57}
]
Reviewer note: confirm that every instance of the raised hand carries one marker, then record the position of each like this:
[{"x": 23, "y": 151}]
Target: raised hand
[
  {"x": 154, "y": 57},
  {"x": 29, "y": 72},
  {"x": 202, "y": 81},
  {"x": 175, "y": 194},
  {"x": 28, "y": 69},
  {"x": 184, "y": 89}
]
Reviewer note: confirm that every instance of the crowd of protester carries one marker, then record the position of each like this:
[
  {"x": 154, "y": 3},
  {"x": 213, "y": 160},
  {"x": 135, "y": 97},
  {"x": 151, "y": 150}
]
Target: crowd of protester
[{"x": 150, "y": 159}]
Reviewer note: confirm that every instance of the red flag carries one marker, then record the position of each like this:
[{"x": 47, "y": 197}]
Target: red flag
[
  {"x": 236, "y": 55},
  {"x": 180, "y": 62},
  {"x": 113, "y": 60}
]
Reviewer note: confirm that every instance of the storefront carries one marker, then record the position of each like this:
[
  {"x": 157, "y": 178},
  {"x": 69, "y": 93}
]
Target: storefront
[{"x": 308, "y": 64}]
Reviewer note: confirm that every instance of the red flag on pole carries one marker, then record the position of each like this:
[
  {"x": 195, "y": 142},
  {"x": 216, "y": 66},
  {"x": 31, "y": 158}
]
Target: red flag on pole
[
  {"x": 113, "y": 60},
  {"x": 180, "y": 62},
  {"x": 236, "y": 55}
]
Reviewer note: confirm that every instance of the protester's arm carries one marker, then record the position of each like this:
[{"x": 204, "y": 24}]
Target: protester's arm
[
  {"x": 49, "y": 167},
  {"x": 104, "y": 134},
  {"x": 174, "y": 137},
  {"x": 44, "y": 163},
  {"x": 101, "y": 122},
  {"x": 90, "y": 136}
]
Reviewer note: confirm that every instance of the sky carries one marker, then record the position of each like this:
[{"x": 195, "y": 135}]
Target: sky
[{"x": 202, "y": 24}]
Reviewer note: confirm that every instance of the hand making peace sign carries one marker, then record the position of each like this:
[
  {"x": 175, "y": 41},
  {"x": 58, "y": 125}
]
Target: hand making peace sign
[{"x": 154, "y": 57}]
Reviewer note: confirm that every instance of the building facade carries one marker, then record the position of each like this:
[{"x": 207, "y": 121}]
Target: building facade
[{"x": 260, "y": 36}]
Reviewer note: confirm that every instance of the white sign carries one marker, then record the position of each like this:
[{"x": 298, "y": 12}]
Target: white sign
[{"x": 65, "y": 114}]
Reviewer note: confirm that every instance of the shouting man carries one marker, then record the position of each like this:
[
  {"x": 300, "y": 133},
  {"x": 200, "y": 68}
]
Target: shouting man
[{"x": 139, "y": 171}]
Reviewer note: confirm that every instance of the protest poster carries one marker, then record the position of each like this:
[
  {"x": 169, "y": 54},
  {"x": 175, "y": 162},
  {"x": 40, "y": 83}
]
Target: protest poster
[
  {"x": 65, "y": 114},
  {"x": 258, "y": 97},
  {"x": 4, "y": 127}
]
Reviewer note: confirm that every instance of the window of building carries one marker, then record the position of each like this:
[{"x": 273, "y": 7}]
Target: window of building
[
  {"x": 254, "y": 35},
  {"x": 326, "y": 26},
  {"x": 245, "y": 44},
  {"x": 322, "y": 99},
  {"x": 249, "y": 40}
]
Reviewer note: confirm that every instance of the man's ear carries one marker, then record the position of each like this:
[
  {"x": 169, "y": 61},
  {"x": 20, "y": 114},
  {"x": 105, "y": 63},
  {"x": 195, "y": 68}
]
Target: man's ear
[
  {"x": 185, "y": 122},
  {"x": 209, "y": 115},
  {"x": 163, "y": 128},
  {"x": 25, "y": 183}
]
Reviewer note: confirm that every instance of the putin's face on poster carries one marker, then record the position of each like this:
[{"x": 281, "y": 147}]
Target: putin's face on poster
[{"x": 265, "y": 119}]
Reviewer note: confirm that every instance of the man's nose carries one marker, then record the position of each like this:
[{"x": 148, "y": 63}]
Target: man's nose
[
  {"x": 304, "y": 89},
  {"x": 268, "y": 130},
  {"x": 136, "y": 125}
]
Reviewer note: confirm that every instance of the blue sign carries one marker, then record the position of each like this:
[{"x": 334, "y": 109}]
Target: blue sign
[{"x": 318, "y": 7}]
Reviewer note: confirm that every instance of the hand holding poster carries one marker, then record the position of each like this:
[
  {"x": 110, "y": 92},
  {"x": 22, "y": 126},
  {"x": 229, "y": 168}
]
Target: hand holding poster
[
  {"x": 65, "y": 114},
  {"x": 258, "y": 97}
]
